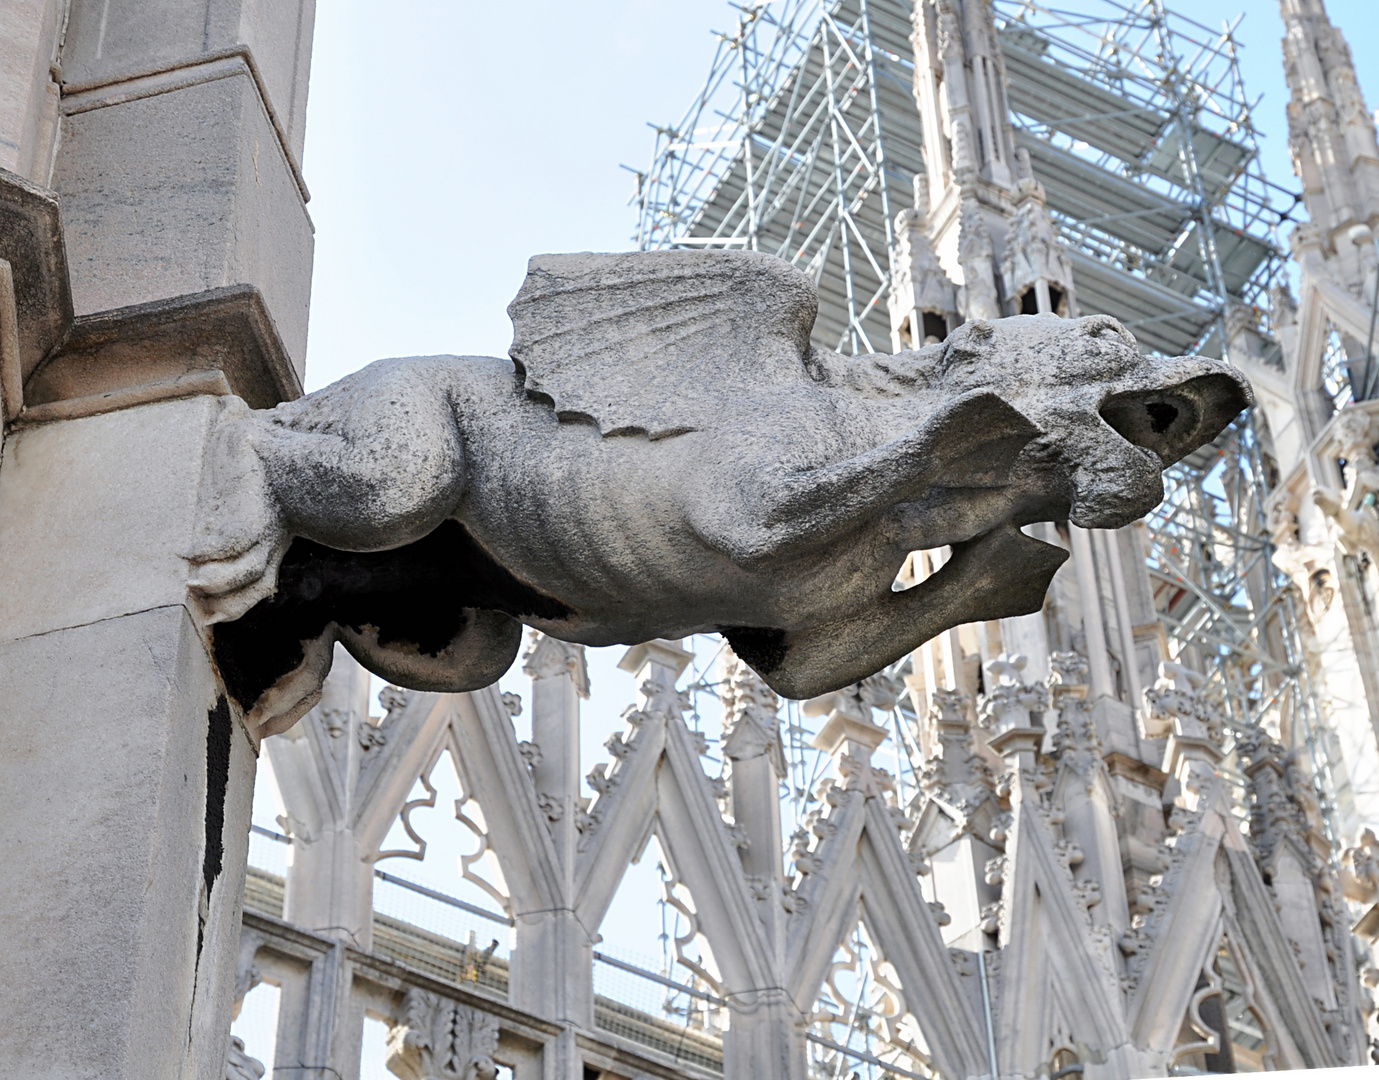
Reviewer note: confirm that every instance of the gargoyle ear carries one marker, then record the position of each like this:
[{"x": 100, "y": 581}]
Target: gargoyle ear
[{"x": 1176, "y": 420}]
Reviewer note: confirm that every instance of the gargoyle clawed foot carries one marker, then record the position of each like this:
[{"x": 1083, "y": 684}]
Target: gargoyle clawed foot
[{"x": 240, "y": 538}]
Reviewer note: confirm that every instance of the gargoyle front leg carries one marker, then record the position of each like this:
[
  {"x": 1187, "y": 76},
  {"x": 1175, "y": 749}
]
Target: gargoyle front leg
[
  {"x": 372, "y": 462},
  {"x": 971, "y": 443},
  {"x": 999, "y": 575}
]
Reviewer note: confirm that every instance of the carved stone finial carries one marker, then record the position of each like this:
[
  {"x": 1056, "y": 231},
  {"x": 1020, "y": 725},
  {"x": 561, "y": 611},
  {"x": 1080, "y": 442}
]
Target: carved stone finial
[
  {"x": 975, "y": 255},
  {"x": 1283, "y": 306},
  {"x": 1276, "y": 817},
  {"x": 659, "y": 660},
  {"x": 547, "y": 658},
  {"x": 1067, "y": 676},
  {"x": 1012, "y": 710},
  {"x": 750, "y": 724},
  {"x": 439, "y": 1039},
  {"x": 1353, "y": 431},
  {"x": 921, "y": 286},
  {"x": 1241, "y": 318},
  {"x": 1360, "y": 869},
  {"x": 850, "y": 737},
  {"x": 1176, "y": 708},
  {"x": 958, "y": 775},
  {"x": 1034, "y": 250}
]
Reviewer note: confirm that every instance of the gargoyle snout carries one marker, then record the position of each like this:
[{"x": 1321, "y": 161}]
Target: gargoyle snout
[
  {"x": 1182, "y": 404},
  {"x": 1175, "y": 419}
]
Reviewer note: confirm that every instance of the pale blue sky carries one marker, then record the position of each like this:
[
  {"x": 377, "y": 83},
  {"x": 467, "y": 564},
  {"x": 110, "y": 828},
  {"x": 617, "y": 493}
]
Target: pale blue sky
[{"x": 448, "y": 141}]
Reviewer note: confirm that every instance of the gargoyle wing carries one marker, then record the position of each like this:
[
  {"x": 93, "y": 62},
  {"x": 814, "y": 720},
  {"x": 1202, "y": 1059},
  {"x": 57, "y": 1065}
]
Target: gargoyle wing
[{"x": 658, "y": 341}]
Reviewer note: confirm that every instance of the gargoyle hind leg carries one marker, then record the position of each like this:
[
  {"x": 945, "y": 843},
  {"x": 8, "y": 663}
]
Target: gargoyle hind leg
[
  {"x": 999, "y": 575},
  {"x": 371, "y": 462}
]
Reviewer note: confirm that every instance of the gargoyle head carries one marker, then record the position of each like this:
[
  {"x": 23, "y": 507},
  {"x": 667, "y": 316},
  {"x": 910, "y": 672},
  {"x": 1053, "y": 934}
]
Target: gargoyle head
[{"x": 1112, "y": 418}]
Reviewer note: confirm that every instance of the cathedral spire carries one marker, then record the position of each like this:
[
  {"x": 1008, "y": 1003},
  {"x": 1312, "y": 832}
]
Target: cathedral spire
[
  {"x": 1331, "y": 136},
  {"x": 982, "y": 211}
]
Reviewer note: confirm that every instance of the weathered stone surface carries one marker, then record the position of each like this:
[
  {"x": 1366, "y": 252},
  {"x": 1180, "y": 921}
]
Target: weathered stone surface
[
  {"x": 133, "y": 977},
  {"x": 30, "y": 32},
  {"x": 107, "y": 42},
  {"x": 169, "y": 188},
  {"x": 31, "y": 242},
  {"x": 96, "y": 514},
  {"x": 221, "y": 330},
  {"x": 667, "y": 455}
]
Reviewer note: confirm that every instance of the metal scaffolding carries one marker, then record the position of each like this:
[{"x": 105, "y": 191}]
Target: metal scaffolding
[
  {"x": 806, "y": 133},
  {"x": 782, "y": 151}
]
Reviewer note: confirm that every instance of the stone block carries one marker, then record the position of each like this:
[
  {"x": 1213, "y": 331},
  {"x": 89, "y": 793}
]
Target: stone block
[
  {"x": 224, "y": 334},
  {"x": 177, "y": 183},
  {"x": 120, "y": 879},
  {"x": 108, "y": 40},
  {"x": 29, "y": 31},
  {"x": 95, "y": 513}
]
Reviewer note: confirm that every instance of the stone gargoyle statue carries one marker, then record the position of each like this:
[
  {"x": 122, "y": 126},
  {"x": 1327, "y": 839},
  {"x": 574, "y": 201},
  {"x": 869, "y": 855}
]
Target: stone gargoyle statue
[{"x": 667, "y": 454}]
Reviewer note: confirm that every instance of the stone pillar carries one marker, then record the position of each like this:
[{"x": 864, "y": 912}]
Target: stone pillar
[
  {"x": 751, "y": 742},
  {"x": 329, "y": 886},
  {"x": 958, "y": 774},
  {"x": 660, "y": 661},
  {"x": 179, "y": 165},
  {"x": 559, "y": 679},
  {"x": 552, "y": 957},
  {"x": 1093, "y": 626},
  {"x": 342, "y": 778},
  {"x": 765, "y": 1030},
  {"x": 1084, "y": 790},
  {"x": 125, "y": 777}
]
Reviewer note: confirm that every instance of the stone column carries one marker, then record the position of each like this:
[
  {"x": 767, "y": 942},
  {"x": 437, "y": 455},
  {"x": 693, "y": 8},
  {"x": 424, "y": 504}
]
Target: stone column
[
  {"x": 956, "y": 773},
  {"x": 342, "y": 779},
  {"x": 329, "y": 885},
  {"x": 1093, "y": 626},
  {"x": 765, "y": 1029},
  {"x": 660, "y": 661},
  {"x": 1083, "y": 788},
  {"x": 751, "y": 742},
  {"x": 552, "y": 956},
  {"x": 559, "y": 679},
  {"x": 126, "y": 776}
]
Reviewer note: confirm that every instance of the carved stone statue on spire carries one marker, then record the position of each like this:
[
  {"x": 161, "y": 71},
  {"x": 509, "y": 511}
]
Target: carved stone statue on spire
[
  {"x": 976, "y": 255},
  {"x": 923, "y": 300},
  {"x": 1036, "y": 267}
]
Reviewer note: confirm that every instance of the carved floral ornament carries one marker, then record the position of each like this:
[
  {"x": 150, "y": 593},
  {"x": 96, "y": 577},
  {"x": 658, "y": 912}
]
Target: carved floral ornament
[
  {"x": 435, "y": 1038},
  {"x": 239, "y": 1065}
]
